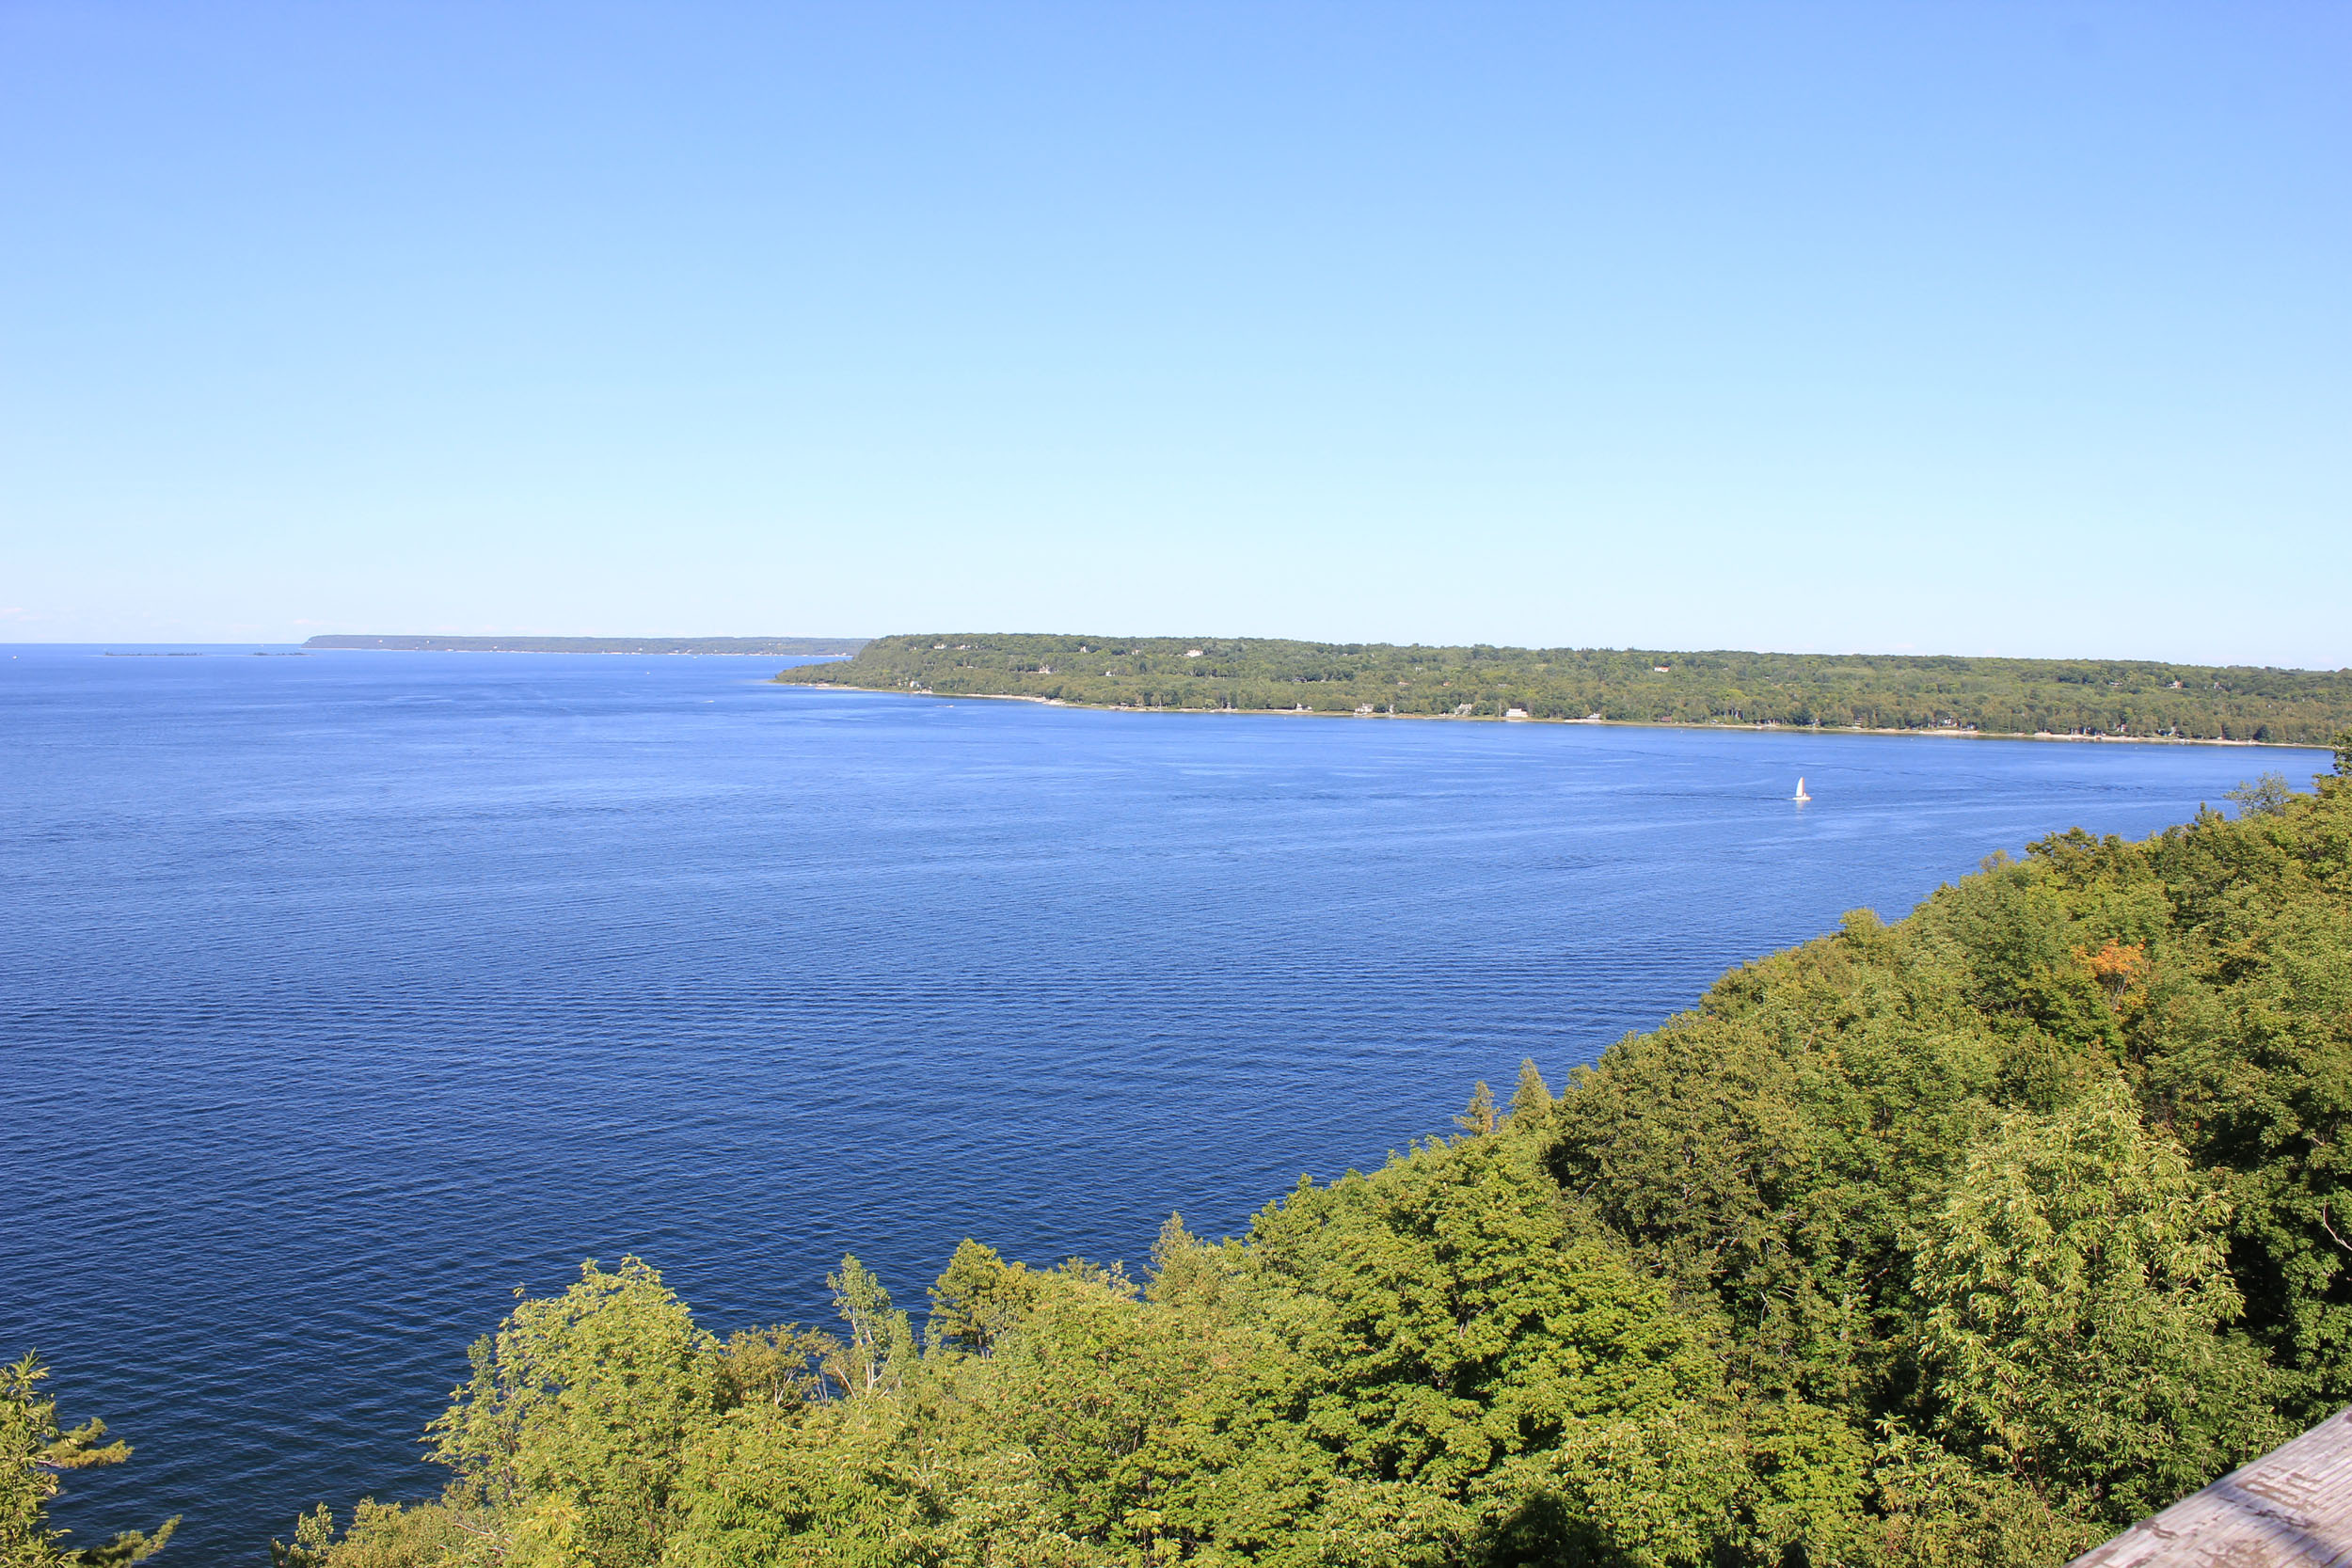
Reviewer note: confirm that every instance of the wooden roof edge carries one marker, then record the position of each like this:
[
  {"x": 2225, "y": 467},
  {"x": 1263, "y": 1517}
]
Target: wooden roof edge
[{"x": 2291, "y": 1508}]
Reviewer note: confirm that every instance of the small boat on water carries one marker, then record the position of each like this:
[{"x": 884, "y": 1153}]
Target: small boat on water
[{"x": 1801, "y": 795}]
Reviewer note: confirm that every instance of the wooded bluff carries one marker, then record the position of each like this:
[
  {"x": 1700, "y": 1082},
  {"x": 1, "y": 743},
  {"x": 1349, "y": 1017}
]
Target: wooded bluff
[
  {"x": 1988, "y": 696},
  {"x": 1961, "y": 1240}
]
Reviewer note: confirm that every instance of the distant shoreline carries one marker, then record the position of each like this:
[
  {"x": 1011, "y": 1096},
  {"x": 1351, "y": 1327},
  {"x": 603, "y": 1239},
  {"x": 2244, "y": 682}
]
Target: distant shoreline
[
  {"x": 2053, "y": 699},
  {"x": 744, "y": 648},
  {"x": 1584, "y": 724}
]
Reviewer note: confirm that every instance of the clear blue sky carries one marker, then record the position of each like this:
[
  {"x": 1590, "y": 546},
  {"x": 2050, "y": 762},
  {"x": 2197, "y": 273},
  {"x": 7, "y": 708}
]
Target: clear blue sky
[{"x": 1984, "y": 327}]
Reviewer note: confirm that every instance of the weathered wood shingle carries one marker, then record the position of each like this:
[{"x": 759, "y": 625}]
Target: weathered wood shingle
[{"x": 2291, "y": 1508}]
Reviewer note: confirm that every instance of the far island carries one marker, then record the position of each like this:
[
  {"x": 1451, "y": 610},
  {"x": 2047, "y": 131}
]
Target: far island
[
  {"x": 2090, "y": 699},
  {"x": 762, "y": 647}
]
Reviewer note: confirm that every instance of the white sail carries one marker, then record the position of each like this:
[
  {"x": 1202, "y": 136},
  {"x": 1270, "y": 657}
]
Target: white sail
[{"x": 1801, "y": 795}]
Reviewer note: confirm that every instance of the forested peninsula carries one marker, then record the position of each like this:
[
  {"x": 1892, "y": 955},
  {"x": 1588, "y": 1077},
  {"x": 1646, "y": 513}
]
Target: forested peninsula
[
  {"x": 2090, "y": 698},
  {"x": 1959, "y": 1241}
]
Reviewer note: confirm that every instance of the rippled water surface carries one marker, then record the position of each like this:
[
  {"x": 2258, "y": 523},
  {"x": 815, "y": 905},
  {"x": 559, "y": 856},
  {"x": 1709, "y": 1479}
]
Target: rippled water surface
[{"x": 344, "y": 992}]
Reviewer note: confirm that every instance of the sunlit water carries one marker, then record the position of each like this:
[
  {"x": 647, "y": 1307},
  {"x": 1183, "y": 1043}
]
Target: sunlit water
[{"x": 345, "y": 993}]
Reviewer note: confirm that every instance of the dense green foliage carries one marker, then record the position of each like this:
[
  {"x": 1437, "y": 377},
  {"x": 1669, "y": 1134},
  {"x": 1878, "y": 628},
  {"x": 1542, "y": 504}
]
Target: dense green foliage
[
  {"x": 770, "y": 647},
  {"x": 1993, "y": 696},
  {"x": 34, "y": 1450},
  {"x": 1959, "y": 1240}
]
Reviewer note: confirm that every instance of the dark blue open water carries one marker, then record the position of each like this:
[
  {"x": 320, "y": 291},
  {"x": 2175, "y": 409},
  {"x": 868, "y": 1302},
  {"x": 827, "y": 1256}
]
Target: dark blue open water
[{"x": 340, "y": 994}]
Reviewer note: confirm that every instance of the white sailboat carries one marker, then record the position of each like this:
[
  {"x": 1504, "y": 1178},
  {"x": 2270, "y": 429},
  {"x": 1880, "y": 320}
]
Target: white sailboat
[{"x": 1801, "y": 795}]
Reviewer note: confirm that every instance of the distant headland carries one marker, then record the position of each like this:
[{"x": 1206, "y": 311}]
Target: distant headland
[
  {"x": 766, "y": 647},
  {"x": 2050, "y": 698}
]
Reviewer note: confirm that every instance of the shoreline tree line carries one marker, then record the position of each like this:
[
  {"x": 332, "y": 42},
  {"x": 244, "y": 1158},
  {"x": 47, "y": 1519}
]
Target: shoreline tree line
[{"x": 1873, "y": 691}]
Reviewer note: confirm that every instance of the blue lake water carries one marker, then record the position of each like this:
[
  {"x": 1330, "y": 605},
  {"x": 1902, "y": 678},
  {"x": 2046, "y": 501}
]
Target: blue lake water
[{"x": 340, "y": 994}]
